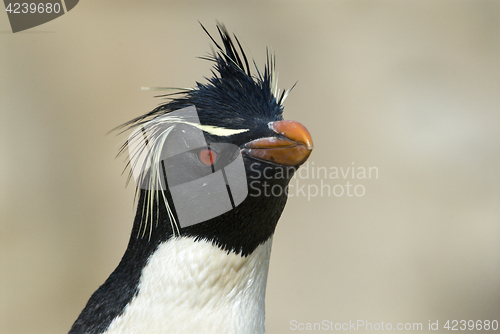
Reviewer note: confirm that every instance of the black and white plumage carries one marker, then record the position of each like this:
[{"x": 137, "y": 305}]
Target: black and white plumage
[{"x": 208, "y": 277}]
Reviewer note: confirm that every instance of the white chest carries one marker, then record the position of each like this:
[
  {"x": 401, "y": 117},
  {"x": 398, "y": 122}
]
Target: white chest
[{"x": 195, "y": 287}]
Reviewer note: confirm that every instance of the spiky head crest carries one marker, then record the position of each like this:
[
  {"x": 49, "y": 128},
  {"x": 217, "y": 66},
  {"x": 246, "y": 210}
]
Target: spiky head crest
[{"x": 232, "y": 95}]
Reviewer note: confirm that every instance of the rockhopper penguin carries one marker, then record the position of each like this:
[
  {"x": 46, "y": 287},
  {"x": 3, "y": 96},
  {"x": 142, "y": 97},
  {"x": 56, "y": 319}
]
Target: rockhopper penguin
[{"x": 212, "y": 167}]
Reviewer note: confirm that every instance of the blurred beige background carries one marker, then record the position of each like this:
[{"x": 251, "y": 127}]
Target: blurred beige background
[{"x": 409, "y": 87}]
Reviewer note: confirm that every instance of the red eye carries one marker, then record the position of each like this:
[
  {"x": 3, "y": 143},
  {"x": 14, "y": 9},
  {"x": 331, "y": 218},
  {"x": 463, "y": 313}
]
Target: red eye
[{"x": 207, "y": 156}]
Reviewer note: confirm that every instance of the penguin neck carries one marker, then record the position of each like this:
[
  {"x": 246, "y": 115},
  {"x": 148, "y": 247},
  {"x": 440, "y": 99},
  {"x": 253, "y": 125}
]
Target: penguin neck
[
  {"x": 193, "y": 286},
  {"x": 211, "y": 278}
]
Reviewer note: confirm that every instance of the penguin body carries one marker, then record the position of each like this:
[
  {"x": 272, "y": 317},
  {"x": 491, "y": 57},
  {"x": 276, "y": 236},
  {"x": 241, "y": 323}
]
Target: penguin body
[
  {"x": 224, "y": 149},
  {"x": 191, "y": 286}
]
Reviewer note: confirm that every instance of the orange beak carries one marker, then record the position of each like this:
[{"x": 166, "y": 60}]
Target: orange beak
[{"x": 291, "y": 148}]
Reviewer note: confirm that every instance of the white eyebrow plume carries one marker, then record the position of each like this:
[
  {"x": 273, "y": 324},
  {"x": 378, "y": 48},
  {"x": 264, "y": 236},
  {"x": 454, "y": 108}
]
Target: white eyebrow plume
[{"x": 219, "y": 131}]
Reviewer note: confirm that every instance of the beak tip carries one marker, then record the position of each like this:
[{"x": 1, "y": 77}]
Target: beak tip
[
  {"x": 293, "y": 130},
  {"x": 309, "y": 145}
]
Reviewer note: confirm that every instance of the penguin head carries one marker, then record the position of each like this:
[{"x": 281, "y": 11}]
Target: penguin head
[{"x": 215, "y": 161}]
